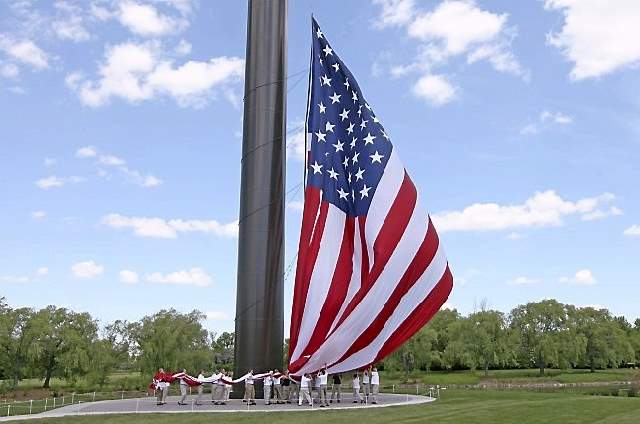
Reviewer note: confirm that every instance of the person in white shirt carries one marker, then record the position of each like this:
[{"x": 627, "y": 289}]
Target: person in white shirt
[
  {"x": 218, "y": 388},
  {"x": 249, "y": 390},
  {"x": 268, "y": 384},
  {"x": 323, "y": 376},
  {"x": 316, "y": 384},
  {"x": 375, "y": 385},
  {"x": 356, "y": 389},
  {"x": 277, "y": 389},
  {"x": 200, "y": 387},
  {"x": 184, "y": 389},
  {"x": 365, "y": 385},
  {"x": 227, "y": 388},
  {"x": 214, "y": 387},
  {"x": 305, "y": 384}
]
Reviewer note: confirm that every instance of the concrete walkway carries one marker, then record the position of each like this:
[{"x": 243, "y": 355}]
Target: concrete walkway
[{"x": 148, "y": 405}]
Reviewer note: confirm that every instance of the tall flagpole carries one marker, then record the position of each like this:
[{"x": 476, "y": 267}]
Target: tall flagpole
[{"x": 259, "y": 324}]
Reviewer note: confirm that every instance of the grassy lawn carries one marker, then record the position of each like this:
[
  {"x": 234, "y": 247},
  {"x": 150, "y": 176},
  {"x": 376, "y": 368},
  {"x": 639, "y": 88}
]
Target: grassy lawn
[
  {"x": 514, "y": 376},
  {"x": 456, "y": 406}
]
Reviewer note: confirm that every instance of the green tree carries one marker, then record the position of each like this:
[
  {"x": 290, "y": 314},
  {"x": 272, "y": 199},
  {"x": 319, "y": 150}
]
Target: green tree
[
  {"x": 608, "y": 344},
  {"x": 485, "y": 340},
  {"x": 64, "y": 343},
  {"x": 172, "y": 340},
  {"x": 547, "y": 335},
  {"x": 17, "y": 337},
  {"x": 223, "y": 348}
]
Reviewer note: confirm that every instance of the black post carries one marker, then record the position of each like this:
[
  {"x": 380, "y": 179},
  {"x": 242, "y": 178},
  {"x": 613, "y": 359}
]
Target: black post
[{"x": 259, "y": 322}]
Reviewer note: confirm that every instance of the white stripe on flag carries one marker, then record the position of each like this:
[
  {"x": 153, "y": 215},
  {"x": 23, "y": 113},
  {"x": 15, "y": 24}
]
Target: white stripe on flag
[
  {"x": 368, "y": 309},
  {"x": 355, "y": 282},
  {"x": 416, "y": 295},
  {"x": 320, "y": 280},
  {"x": 383, "y": 199}
]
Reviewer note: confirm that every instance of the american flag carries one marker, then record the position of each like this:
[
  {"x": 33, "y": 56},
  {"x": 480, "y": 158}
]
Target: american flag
[{"x": 371, "y": 271}]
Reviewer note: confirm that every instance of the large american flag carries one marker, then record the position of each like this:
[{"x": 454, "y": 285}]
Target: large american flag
[{"x": 371, "y": 271}]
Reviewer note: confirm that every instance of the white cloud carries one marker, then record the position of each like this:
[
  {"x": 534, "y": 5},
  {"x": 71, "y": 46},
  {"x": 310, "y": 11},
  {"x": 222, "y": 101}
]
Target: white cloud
[
  {"x": 601, "y": 213},
  {"x": 129, "y": 277},
  {"x": 582, "y": 277},
  {"x": 38, "y": 215},
  {"x": 86, "y": 152},
  {"x": 137, "y": 72},
  {"x": 161, "y": 228},
  {"x": 599, "y": 37},
  {"x": 54, "y": 181},
  {"x": 145, "y": 20},
  {"x": 542, "y": 209},
  {"x": 218, "y": 316},
  {"x": 522, "y": 281},
  {"x": 183, "y": 48},
  {"x": 87, "y": 270},
  {"x": 110, "y": 160},
  {"x": 194, "y": 276},
  {"x": 633, "y": 231},
  {"x": 296, "y": 205},
  {"x": 514, "y": 236},
  {"x": 295, "y": 144},
  {"x": 49, "y": 162},
  {"x": 395, "y": 12},
  {"x": 545, "y": 120},
  {"x": 119, "y": 164},
  {"x": 25, "y": 51},
  {"x": 453, "y": 28},
  {"x": 556, "y": 117},
  {"x": 71, "y": 29},
  {"x": 457, "y": 25},
  {"x": 436, "y": 89},
  {"x": 9, "y": 70},
  {"x": 42, "y": 271}
]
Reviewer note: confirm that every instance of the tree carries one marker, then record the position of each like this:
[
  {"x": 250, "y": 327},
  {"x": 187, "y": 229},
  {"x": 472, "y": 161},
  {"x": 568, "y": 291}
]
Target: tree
[
  {"x": 484, "y": 339},
  {"x": 608, "y": 344},
  {"x": 546, "y": 335},
  {"x": 223, "y": 348},
  {"x": 64, "y": 343},
  {"x": 172, "y": 340},
  {"x": 17, "y": 337}
]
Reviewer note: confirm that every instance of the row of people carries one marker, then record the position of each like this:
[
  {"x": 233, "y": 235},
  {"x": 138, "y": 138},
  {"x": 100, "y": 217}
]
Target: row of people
[{"x": 278, "y": 388}]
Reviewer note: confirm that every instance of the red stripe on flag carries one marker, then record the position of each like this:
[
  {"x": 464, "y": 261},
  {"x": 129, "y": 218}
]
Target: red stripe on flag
[
  {"x": 414, "y": 271},
  {"x": 420, "y": 316},
  {"x": 390, "y": 234},
  {"x": 337, "y": 291},
  {"x": 306, "y": 252}
]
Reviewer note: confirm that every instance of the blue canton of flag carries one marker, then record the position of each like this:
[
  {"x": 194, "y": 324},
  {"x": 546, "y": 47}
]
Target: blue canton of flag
[{"x": 349, "y": 147}]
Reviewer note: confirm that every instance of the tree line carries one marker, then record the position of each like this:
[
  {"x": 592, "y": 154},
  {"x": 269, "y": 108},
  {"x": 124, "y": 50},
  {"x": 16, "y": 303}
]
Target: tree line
[
  {"x": 57, "y": 342},
  {"x": 545, "y": 334}
]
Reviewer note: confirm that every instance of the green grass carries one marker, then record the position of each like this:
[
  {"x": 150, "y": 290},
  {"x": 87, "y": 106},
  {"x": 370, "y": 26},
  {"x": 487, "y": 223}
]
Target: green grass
[
  {"x": 456, "y": 406},
  {"x": 514, "y": 376}
]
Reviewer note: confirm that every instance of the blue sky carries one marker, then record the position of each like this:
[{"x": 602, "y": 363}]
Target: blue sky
[{"x": 121, "y": 138}]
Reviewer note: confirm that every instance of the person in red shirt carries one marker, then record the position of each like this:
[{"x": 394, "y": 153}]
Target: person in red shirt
[{"x": 161, "y": 386}]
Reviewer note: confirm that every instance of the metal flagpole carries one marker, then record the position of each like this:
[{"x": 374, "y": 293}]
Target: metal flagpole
[{"x": 259, "y": 323}]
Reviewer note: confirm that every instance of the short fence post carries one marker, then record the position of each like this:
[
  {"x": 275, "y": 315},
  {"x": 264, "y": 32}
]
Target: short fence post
[
  {"x": 73, "y": 395},
  {"x": 30, "y": 406},
  {"x": 45, "y": 403},
  {"x": 393, "y": 388},
  {"x": 122, "y": 394},
  {"x": 417, "y": 389},
  {"x": 62, "y": 400},
  {"x": 54, "y": 402},
  {"x": 94, "y": 396}
]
